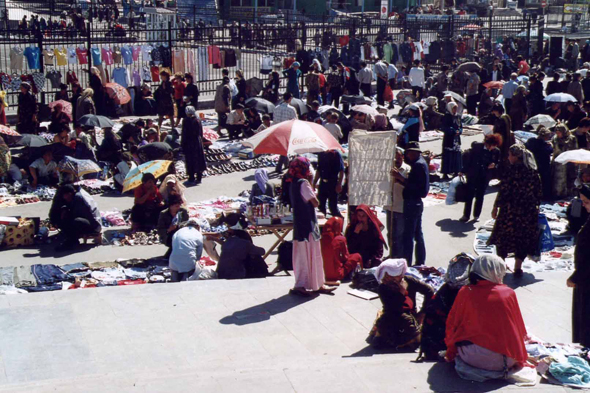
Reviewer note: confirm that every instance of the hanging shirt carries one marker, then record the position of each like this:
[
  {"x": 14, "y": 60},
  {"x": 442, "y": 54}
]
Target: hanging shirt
[
  {"x": 82, "y": 54},
  {"x": 71, "y": 78},
  {"x": 156, "y": 57},
  {"x": 136, "y": 78},
  {"x": 39, "y": 80},
  {"x": 155, "y": 71},
  {"x": 178, "y": 59},
  {"x": 107, "y": 56},
  {"x": 127, "y": 54},
  {"x": 266, "y": 65},
  {"x": 214, "y": 55},
  {"x": 96, "y": 58},
  {"x": 48, "y": 57},
  {"x": 146, "y": 53},
  {"x": 61, "y": 56},
  {"x": 203, "y": 63},
  {"x": 33, "y": 55},
  {"x": 121, "y": 76},
  {"x": 117, "y": 58},
  {"x": 190, "y": 61},
  {"x": 146, "y": 75},
  {"x": 54, "y": 77},
  {"x": 16, "y": 58},
  {"x": 135, "y": 51},
  {"x": 72, "y": 56}
]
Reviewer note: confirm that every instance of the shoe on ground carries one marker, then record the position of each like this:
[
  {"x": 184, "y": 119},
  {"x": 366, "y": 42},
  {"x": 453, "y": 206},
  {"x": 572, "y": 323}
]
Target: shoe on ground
[
  {"x": 475, "y": 219},
  {"x": 464, "y": 219}
]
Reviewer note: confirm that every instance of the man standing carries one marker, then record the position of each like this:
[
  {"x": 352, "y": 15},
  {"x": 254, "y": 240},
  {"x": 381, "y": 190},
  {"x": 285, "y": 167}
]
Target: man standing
[
  {"x": 381, "y": 73},
  {"x": 395, "y": 212},
  {"x": 508, "y": 91},
  {"x": 284, "y": 112},
  {"x": 472, "y": 92},
  {"x": 416, "y": 187},
  {"x": 365, "y": 76},
  {"x": 222, "y": 103},
  {"x": 417, "y": 80},
  {"x": 330, "y": 174}
]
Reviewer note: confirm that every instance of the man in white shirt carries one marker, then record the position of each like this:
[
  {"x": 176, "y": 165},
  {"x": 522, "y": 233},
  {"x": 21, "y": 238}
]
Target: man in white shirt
[
  {"x": 236, "y": 122},
  {"x": 332, "y": 126},
  {"x": 284, "y": 112},
  {"x": 187, "y": 247},
  {"x": 417, "y": 79},
  {"x": 44, "y": 170},
  {"x": 395, "y": 212},
  {"x": 381, "y": 73},
  {"x": 365, "y": 77},
  {"x": 508, "y": 91}
]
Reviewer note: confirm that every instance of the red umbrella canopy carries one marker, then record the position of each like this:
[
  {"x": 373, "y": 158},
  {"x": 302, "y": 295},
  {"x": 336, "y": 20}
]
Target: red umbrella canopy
[
  {"x": 293, "y": 137},
  {"x": 494, "y": 85},
  {"x": 66, "y": 107},
  {"x": 118, "y": 93}
]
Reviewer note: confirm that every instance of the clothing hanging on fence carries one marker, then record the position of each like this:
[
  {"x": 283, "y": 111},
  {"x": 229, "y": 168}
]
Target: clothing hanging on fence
[
  {"x": 121, "y": 76},
  {"x": 127, "y": 55},
  {"x": 54, "y": 77},
  {"x": 33, "y": 56},
  {"x": 96, "y": 55},
  {"x": 178, "y": 60},
  {"x": 48, "y": 57},
  {"x": 190, "y": 61},
  {"x": 61, "y": 56},
  {"x": 117, "y": 57},
  {"x": 15, "y": 82},
  {"x": 146, "y": 53},
  {"x": 231, "y": 60},
  {"x": 72, "y": 56},
  {"x": 82, "y": 54},
  {"x": 166, "y": 56},
  {"x": 221, "y": 59},
  {"x": 146, "y": 75},
  {"x": 156, "y": 57},
  {"x": 71, "y": 77},
  {"x": 266, "y": 65},
  {"x": 107, "y": 56},
  {"x": 16, "y": 58},
  {"x": 39, "y": 80},
  {"x": 135, "y": 51},
  {"x": 214, "y": 56},
  {"x": 155, "y": 71},
  {"x": 203, "y": 63}
]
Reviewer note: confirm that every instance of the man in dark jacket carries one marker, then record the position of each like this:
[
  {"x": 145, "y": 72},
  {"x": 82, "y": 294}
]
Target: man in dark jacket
[{"x": 542, "y": 151}]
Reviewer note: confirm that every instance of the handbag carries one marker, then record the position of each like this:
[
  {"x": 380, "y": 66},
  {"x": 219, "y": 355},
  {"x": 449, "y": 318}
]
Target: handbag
[
  {"x": 462, "y": 191},
  {"x": 365, "y": 279}
]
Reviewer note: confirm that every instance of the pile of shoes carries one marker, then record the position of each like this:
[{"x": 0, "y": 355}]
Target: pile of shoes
[
  {"x": 218, "y": 168},
  {"x": 141, "y": 239},
  {"x": 216, "y": 155},
  {"x": 262, "y": 232}
]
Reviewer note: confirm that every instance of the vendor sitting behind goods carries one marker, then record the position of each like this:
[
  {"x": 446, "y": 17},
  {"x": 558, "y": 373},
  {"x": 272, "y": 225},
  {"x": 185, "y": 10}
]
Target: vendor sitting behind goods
[
  {"x": 170, "y": 187},
  {"x": 148, "y": 204},
  {"x": 122, "y": 169},
  {"x": 44, "y": 170},
  {"x": 170, "y": 220},
  {"x": 364, "y": 236},
  {"x": 262, "y": 185},
  {"x": 76, "y": 215},
  {"x": 398, "y": 325},
  {"x": 187, "y": 248},
  {"x": 239, "y": 258}
]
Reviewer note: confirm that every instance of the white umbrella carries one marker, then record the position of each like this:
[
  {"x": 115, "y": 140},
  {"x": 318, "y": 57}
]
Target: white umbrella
[
  {"x": 560, "y": 97},
  {"x": 580, "y": 156},
  {"x": 366, "y": 109},
  {"x": 534, "y": 34},
  {"x": 541, "y": 120},
  {"x": 456, "y": 97}
]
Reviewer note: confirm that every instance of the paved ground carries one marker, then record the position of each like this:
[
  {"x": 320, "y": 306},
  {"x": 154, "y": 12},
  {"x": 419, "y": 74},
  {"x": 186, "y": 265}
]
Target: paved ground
[{"x": 220, "y": 336}]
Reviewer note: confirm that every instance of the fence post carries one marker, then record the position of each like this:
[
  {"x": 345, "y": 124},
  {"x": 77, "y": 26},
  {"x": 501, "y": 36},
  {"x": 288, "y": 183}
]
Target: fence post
[
  {"x": 170, "y": 36},
  {"x": 528, "y": 39},
  {"x": 89, "y": 45},
  {"x": 540, "y": 34},
  {"x": 240, "y": 33},
  {"x": 41, "y": 64},
  {"x": 490, "y": 31}
]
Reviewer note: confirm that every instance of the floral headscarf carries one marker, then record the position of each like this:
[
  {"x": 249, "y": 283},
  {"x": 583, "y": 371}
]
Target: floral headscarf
[
  {"x": 298, "y": 169},
  {"x": 520, "y": 151}
]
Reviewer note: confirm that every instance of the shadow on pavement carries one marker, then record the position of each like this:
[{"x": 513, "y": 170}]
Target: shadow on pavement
[
  {"x": 517, "y": 282},
  {"x": 264, "y": 311},
  {"x": 369, "y": 351},
  {"x": 443, "y": 378},
  {"x": 249, "y": 178},
  {"x": 455, "y": 227},
  {"x": 48, "y": 251}
]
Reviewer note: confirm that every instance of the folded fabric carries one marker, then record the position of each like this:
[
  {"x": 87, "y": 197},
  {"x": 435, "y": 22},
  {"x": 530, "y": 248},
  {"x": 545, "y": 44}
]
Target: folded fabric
[
  {"x": 10, "y": 290},
  {"x": 23, "y": 277},
  {"x": 48, "y": 274},
  {"x": 102, "y": 265},
  {"x": 575, "y": 372},
  {"x": 74, "y": 267},
  {"x": 7, "y": 276},
  {"x": 135, "y": 273},
  {"x": 44, "y": 288}
]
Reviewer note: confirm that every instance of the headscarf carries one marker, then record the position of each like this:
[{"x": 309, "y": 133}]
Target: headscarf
[
  {"x": 332, "y": 228},
  {"x": 458, "y": 271},
  {"x": 431, "y": 101},
  {"x": 450, "y": 106},
  {"x": 26, "y": 85},
  {"x": 191, "y": 111},
  {"x": 261, "y": 176},
  {"x": 490, "y": 267},
  {"x": 316, "y": 61},
  {"x": 177, "y": 185},
  {"x": 377, "y": 225},
  {"x": 380, "y": 122},
  {"x": 563, "y": 129},
  {"x": 86, "y": 94},
  {"x": 298, "y": 169},
  {"x": 393, "y": 267},
  {"x": 525, "y": 155}
]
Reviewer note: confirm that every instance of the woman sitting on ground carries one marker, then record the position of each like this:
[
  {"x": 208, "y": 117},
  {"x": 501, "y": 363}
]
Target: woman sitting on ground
[
  {"x": 148, "y": 204},
  {"x": 338, "y": 262},
  {"x": 170, "y": 220},
  {"x": 485, "y": 330},
  {"x": 398, "y": 325},
  {"x": 58, "y": 119},
  {"x": 364, "y": 237},
  {"x": 170, "y": 187},
  {"x": 262, "y": 186},
  {"x": 125, "y": 164}
]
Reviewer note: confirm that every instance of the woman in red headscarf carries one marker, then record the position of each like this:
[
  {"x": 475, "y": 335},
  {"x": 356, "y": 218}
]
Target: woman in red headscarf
[
  {"x": 58, "y": 119},
  {"x": 364, "y": 236},
  {"x": 308, "y": 266},
  {"x": 338, "y": 263}
]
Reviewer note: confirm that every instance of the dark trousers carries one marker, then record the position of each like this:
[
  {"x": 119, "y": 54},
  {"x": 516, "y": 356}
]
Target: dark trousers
[
  {"x": 178, "y": 277},
  {"x": 336, "y": 94},
  {"x": 76, "y": 228},
  {"x": 476, "y": 188},
  {"x": 507, "y": 104},
  {"x": 235, "y": 130},
  {"x": 222, "y": 120},
  {"x": 191, "y": 171},
  {"x": 395, "y": 233},
  {"x": 327, "y": 193},
  {"x": 418, "y": 91},
  {"x": 380, "y": 90},
  {"x": 472, "y": 104},
  {"x": 366, "y": 89},
  {"x": 413, "y": 232},
  {"x": 283, "y": 162}
]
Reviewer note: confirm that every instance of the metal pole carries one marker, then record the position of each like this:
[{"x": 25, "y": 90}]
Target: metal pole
[
  {"x": 255, "y": 11},
  {"x": 89, "y": 46},
  {"x": 528, "y": 39},
  {"x": 41, "y": 65}
]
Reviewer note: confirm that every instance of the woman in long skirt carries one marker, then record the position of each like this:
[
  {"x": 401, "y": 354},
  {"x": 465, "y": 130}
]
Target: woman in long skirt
[
  {"x": 308, "y": 265},
  {"x": 452, "y": 128}
]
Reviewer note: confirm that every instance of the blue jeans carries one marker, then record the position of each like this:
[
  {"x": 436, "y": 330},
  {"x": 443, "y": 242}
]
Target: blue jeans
[
  {"x": 413, "y": 232},
  {"x": 395, "y": 233}
]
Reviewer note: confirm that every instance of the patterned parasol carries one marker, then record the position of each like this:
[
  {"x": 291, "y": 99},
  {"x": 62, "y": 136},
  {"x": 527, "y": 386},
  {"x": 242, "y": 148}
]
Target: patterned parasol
[
  {"x": 78, "y": 167},
  {"x": 133, "y": 178},
  {"x": 118, "y": 93},
  {"x": 8, "y": 131},
  {"x": 66, "y": 107}
]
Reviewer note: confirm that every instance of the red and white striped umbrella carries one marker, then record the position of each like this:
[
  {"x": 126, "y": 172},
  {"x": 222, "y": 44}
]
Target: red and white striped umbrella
[
  {"x": 8, "y": 131},
  {"x": 118, "y": 93},
  {"x": 293, "y": 137},
  {"x": 210, "y": 135}
]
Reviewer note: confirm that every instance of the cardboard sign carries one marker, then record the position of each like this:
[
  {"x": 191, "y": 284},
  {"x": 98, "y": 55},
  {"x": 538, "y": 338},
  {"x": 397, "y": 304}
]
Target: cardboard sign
[{"x": 370, "y": 158}]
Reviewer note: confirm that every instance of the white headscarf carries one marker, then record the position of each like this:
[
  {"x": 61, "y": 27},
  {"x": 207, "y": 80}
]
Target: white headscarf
[
  {"x": 191, "y": 111},
  {"x": 450, "y": 106},
  {"x": 393, "y": 267},
  {"x": 490, "y": 267}
]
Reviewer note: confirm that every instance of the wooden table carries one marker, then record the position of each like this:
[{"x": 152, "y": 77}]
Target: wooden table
[{"x": 287, "y": 228}]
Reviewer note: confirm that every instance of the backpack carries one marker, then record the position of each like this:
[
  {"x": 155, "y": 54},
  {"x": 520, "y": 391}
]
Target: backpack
[
  {"x": 313, "y": 82},
  {"x": 285, "y": 258},
  {"x": 335, "y": 80},
  {"x": 365, "y": 279}
]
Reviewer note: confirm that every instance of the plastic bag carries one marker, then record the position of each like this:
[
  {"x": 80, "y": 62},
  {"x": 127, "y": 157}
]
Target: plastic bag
[
  {"x": 452, "y": 193},
  {"x": 545, "y": 237}
]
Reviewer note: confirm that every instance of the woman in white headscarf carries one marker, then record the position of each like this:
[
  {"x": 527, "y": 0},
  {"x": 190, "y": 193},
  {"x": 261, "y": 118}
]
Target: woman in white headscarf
[
  {"x": 485, "y": 331},
  {"x": 398, "y": 325},
  {"x": 262, "y": 186},
  {"x": 516, "y": 209},
  {"x": 171, "y": 186}
]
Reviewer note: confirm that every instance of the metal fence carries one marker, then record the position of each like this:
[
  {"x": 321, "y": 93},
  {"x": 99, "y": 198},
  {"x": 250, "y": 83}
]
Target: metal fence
[{"x": 189, "y": 47}]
